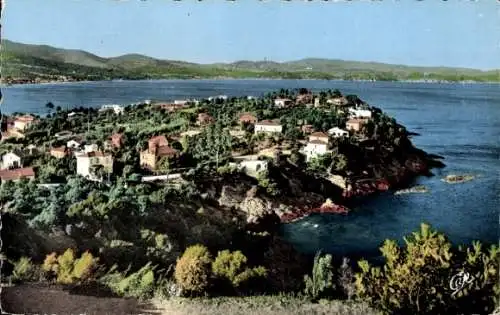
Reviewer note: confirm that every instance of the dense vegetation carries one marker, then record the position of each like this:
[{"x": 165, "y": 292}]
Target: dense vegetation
[{"x": 29, "y": 62}]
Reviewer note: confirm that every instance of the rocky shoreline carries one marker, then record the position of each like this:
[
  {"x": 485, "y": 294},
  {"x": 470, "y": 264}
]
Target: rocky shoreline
[
  {"x": 327, "y": 207},
  {"x": 414, "y": 166}
]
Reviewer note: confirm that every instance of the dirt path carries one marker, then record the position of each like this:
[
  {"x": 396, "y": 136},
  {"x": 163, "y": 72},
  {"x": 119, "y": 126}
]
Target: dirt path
[{"x": 41, "y": 299}]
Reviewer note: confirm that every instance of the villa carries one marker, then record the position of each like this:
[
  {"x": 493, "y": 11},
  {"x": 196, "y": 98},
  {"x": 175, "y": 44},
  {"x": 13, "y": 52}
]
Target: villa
[
  {"x": 13, "y": 159},
  {"x": 23, "y": 122},
  {"x": 17, "y": 174},
  {"x": 359, "y": 113},
  {"x": 117, "y": 109},
  {"x": 319, "y": 136},
  {"x": 315, "y": 148},
  {"x": 282, "y": 102},
  {"x": 338, "y": 133},
  {"x": 73, "y": 144},
  {"x": 157, "y": 148},
  {"x": 87, "y": 163},
  {"x": 248, "y": 118},
  {"x": 268, "y": 126},
  {"x": 337, "y": 101},
  {"x": 355, "y": 124},
  {"x": 59, "y": 152}
]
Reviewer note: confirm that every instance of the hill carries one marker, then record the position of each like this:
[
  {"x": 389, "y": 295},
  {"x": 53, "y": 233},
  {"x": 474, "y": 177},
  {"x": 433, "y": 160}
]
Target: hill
[{"x": 39, "y": 63}]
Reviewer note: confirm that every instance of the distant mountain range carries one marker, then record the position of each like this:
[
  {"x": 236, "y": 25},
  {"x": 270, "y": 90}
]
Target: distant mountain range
[{"x": 35, "y": 63}]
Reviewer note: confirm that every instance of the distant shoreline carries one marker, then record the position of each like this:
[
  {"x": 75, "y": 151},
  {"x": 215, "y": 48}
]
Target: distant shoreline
[{"x": 4, "y": 85}]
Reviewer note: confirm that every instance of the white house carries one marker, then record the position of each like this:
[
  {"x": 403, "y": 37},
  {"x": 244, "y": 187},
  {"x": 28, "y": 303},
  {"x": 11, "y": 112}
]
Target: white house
[
  {"x": 73, "y": 144},
  {"x": 117, "y": 109},
  {"x": 338, "y": 133},
  {"x": 180, "y": 102},
  {"x": 338, "y": 101},
  {"x": 314, "y": 149},
  {"x": 250, "y": 164},
  {"x": 359, "y": 113},
  {"x": 222, "y": 97},
  {"x": 90, "y": 148},
  {"x": 87, "y": 162},
  {"x": 268, "y": 126},
  {"x": 12, "y": 160},
  {"x": 282, "y": 102}
]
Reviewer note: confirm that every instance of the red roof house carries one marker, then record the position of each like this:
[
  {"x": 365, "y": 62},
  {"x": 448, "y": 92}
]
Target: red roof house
[
  {"x": 248, "y": 118},
  {"x": 17, "y": 173}
]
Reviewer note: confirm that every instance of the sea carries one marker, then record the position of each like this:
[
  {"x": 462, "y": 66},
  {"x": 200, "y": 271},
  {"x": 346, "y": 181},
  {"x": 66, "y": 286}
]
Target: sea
[{"x": 458, "y": 121}]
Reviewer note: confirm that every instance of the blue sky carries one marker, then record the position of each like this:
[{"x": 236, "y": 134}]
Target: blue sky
[{"x": 430, "y": 33}]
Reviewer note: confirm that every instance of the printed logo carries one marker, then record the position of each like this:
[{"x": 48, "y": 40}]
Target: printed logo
[{"x": 459, "y": 281}]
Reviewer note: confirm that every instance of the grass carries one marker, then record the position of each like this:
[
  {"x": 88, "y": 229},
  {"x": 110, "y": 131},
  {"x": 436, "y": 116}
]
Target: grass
[{"x": 261, "y": 305}]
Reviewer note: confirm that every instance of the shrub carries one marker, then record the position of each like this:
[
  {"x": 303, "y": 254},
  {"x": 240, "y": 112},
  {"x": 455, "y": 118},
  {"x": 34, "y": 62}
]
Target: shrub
[
  {"x": 24, "y": 270},
  {"x": 192, "y": 270},
  {"x": 345, "y": 280},
  {"x": 231, "y": 266},
  {"x": 66, "y": 270},
  {"x": 321, "y": 279},
  {"x": 416, "y": 279},
  {"x": 140, "y": 284}
]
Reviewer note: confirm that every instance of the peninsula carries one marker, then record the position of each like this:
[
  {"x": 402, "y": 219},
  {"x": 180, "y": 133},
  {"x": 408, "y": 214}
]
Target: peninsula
[{"x": 172, "y": 198}]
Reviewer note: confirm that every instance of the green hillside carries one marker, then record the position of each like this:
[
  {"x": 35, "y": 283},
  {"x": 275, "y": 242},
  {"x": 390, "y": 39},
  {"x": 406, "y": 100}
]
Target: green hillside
[{"x": 31, "y": 62}]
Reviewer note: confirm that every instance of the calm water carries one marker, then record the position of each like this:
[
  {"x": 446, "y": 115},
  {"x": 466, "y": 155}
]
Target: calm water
[{"x": 457, "y": 121}]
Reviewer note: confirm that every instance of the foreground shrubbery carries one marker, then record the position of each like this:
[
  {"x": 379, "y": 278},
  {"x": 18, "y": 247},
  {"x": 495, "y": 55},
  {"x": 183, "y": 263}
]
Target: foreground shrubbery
[
  {"x": 67, "y": 269},
  {"x": 414, "y": 279},
  {"x": 417, "y": 279}
]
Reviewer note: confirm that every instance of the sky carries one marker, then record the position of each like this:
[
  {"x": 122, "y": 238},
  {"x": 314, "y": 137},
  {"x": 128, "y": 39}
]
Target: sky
[{"x": 457, "y": 33}]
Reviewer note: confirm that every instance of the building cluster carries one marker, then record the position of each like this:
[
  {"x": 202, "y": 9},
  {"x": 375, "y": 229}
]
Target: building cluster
[{"x": 95, "y": 162}]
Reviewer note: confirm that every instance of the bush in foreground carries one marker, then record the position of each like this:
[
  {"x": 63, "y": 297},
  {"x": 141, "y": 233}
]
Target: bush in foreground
[
  {"x": 429, "y": 277},
  {"x": 192, "y": 271},
  {"x": 321, "y": 280},
  {"x": 140, "y": 284},
  {"x": 25, "y": 270},
  {"x": 232, "y": 267},
  {"x": 65, "y": 269}
]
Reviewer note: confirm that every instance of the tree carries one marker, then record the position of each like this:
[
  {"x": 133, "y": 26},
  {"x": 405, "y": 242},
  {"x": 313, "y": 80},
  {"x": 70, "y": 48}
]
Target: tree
[
  {"x": 321, "y": 279},
  {"x": 192, "y": 271}
]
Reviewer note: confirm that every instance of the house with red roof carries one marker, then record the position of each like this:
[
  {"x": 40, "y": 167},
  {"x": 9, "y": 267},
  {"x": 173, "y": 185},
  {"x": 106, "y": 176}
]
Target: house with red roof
[
  {"x": 319, "y": 136},
  {"x": 17, "y": 173},
  {"x": 355, "y": 124},
  {"x": 59, "y": 152},
  {"x": 157, "y": 148},
  {"x": 23, "y": 122},
  {"x": 248, "y": 118}
]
